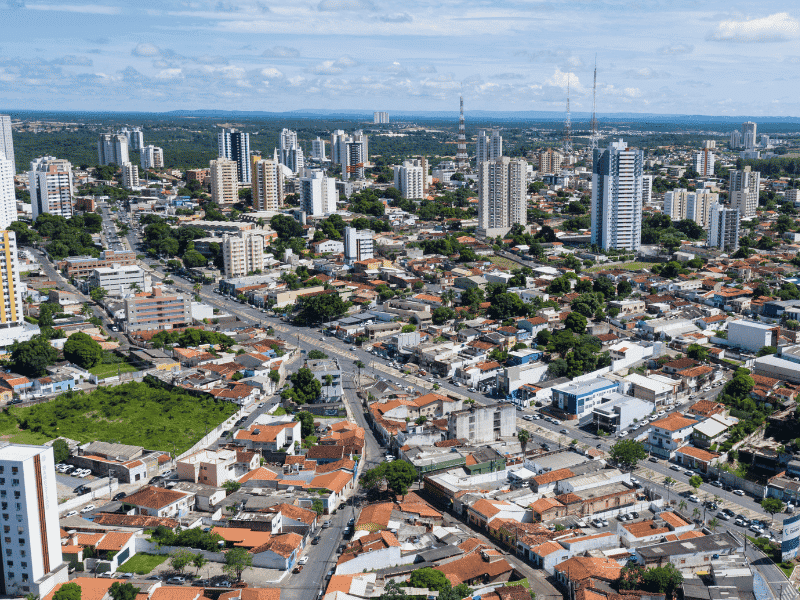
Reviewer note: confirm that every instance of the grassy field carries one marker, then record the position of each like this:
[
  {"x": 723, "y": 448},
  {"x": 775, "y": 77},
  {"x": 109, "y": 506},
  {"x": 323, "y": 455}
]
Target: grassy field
[
  {"x": 134, "y": 413},
  {"x": 103, "y": 371},
  {"x": 629, "y": 266},
  {"x": 142, "y": 563},
  {"x": 502, "y": 261}
]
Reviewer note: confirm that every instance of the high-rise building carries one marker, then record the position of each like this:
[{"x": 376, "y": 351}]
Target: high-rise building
[
  {"x": 724, "y": 228},
  {"x": 12, "y": 325},
  {"x": 355, "y": 159},
  {"x": 423, "y": 162},
  {"x": 704, "y": 160},
  {"x": 318, "y": 149},
  {"x": 266, "y": 184},
  {"x": 736, "y": 139},
  {"x": 358, "y": 244},
  {"x": 8, "y": 200},
  {"x": 408, "y": 179},
  {"x": 489, "y": 146},
  {"x": 112, "y": 148},
  {"x": 380, "y": 116},
  {"x": 151, "y": 157},
  {"x": 698, "y": 206},
  {"x": 50, "y": 187},
  {"x": 502, "y": 195},
  {"x": 224, "y": 181},
  {"x": 6, "y": 141},
  {"x": 290, "y": 152},
  {"x": 317, "y": 193},
  {"x": 157, "y": 311},
  {"x": 749, "y": 135},
  {"x": 647, "y": 189},
  {"x": 235, "y": 145},
  {"x": 243, "y": 253},
  {"x": 675, "y": 202},
  {"x": 338, "y": 139},
  {"x": 764, "y": 141},
  {"x": 550, "y": 161},
  {"x": 31, "y": 543},
  {"x": 130, "y": 175},
  {"x": 462, "y": 160},
  {"x": 617, "y": 197},
  {"x": 135, "y": 138},
  {"x": 743, "y": 191}
]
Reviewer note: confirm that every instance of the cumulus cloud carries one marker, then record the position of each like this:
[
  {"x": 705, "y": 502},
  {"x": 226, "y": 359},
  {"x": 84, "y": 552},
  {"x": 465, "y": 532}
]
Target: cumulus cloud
[
  {"x": 396, "y": 18},
  {"x": 426, "y": 69},
  {"x": 281, "y": 52},
  {"x": 271, "y": 73},
  {"x": 632, "y": 92},
  {"x": 779, "y": 27},
  {"x": 561, "y": 79},
  {"x": 146, "y": 50},
  {"x": 676, "y": 49},
  {"x": 346, "y": 5},
  {"x": 73, "y": 61},
  {"x": 646, "y": 73}
]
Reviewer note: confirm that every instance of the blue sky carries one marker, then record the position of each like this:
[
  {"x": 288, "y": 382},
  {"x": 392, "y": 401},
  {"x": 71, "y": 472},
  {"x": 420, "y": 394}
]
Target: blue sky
[{"x": 677, "y": 56}]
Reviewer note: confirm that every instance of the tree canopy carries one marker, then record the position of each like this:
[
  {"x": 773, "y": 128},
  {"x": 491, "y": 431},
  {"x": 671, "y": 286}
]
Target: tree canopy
[
  {"x": 305, "y": 387},
  {"x": 628, "y": 453},
  {"x": 80, "y": 349}
]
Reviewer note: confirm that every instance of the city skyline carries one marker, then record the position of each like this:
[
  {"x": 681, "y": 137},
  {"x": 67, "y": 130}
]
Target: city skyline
[{"x": 657, "y": 58}]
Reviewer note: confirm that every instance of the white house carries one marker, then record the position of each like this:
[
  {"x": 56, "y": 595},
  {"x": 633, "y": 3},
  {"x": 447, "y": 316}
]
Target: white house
[{"x": 670, "y": 433}]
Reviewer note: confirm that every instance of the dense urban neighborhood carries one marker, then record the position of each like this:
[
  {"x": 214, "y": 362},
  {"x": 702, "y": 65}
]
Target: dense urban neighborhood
[{"x": 556, "y": 372}]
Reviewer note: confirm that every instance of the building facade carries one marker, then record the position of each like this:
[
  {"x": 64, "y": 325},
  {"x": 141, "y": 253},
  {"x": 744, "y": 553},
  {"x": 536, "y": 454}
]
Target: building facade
[
  {"x": 267, "y": 184},
  {"x": 358, "y": 244},
  {"x": 31, "y": 543},
  {"x": 380, "y": 116},
  {"x": 743, "y": 191},
  {"x": 290, "y": 152},
  {"x": 752, "y": 336},
  {"x": 82, "y": 266},
  {"x": 235, "y": 145},
  {"x": 489, "y": 146},
  {"x": 135, "y": 138},
  {"x": 408, "y": 178},
  {"x": 723, "y": 231},
  {"x": 8, "y": 199},
  {"x": 550, "y": 161},
  {"x": 704, "y": 160},
  {"x": 151, "y": 157},
  {"x": 318, "y": 149},
  {"x": 157, "y": 311},
  {"x": 130, "y": 175},
  {"x": 243, "y": 253},
  {"x": 749, "y": 140},
  {"x": 50, "y": 187},
  {"x": 617, "y": 197},
  {"x": 112, "y": 148},
  {"x": 482, "y": 424},
  {"x": 119, "y": 280},
  {"x": 7, "y": 141},
  {"x": 12, "y": 324},
  {"x": 224, "y": 181},
  {"x": 580, "y": 399},
  {"x": 502, "y": 195},
  {"x": 317, "y": 193}
]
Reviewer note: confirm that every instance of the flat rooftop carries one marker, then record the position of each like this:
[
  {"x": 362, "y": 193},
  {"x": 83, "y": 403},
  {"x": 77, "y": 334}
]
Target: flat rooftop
[{"x": 19, "y": 452}]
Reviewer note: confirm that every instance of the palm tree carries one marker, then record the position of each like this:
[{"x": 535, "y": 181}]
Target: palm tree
[
  {"x": 359, "y": 365},
  {"x": 696, "y": 512},
  {"x": 682, "y": 505},
  {"x": 524, "y": 437},
  {"x": 197, "y": 287},
  {"x": 713, "y": 524},
  {"x": 669, "y": 482}
]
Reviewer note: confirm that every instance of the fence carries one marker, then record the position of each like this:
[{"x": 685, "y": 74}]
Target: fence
[
  {"x": 213, "y": 435},
  {"x": 131, "y": 376},
  {"x": 84, "y": 498}
]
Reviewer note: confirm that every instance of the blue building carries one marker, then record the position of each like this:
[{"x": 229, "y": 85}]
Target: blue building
[{"x": 580, "y": 399}]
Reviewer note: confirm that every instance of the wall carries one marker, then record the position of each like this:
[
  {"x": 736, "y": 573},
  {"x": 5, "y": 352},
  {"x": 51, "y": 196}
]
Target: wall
[
  {"x": 214, "y": 434},
  {"x": 377, "y": 559},
  {"x": 756, "y": 489},
  {"x": 83, "y": 499}
]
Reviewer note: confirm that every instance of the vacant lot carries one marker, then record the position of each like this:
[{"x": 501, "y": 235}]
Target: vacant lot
[
  {"x": 142, "y": 563},
  {"x": 139, "y": 414},
  {"x": 629, "y": 266},
  {"x": 103, "y": 371},
  {"x": 502, "y": 261}
]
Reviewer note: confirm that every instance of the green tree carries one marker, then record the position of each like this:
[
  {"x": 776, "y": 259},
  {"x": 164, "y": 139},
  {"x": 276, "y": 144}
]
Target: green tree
[
  {"x": 767, "y": 350},
  {"x": 231, "y": 486},
  {"x": 82, "y": 350},
  {"x": 575, "y": 322},
  {"x": 274, "y": 375},
  {"x": 319, "y": 308},
  {"x": 429, "y": 578},
  {"x": 306, "y": 388},
  {"x": 772, "y": 506},
  {"x": 408, "y": 328},
  {"x": 697, "y": 352},
  {"x": 32, "y": 358},
  {"x": 695, "y": 481},
  {"x": 199, "y": 561},
  {"x": 68, "y": 591},
  {"x": 523, "y": 437},
  {"x": 713, "y": 524},
  {"x": 237, "y": 561},
  {"x": 180, "y": 558},
  {"x": 123, "y": 591},
  {"x": 624, "y": 288},
  {"x": 318, "y": 507},
  {"x": 441, "y": 315},
  {"x": 662, "y": 580},
  {"x": 316, "y": 355},
  {"x": 60, "y": 450},
  {"x": 399, "y": 476},
  {"x": 306, "y": 423},
  {"x": 630, "y": 577},
  {"x": 97, "y": 294},
  {"x": 628, "y": 453}
]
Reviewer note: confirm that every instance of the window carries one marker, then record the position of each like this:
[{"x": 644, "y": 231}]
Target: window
[
  {"x": 16, "y": 494},
  {"x": 14, "y": 470}
]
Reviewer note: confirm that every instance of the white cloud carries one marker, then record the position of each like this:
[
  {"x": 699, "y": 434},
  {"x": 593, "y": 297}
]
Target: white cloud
[
  {"x": 281, "y": 52},
  {"x": 632, "y": 92},
  {"x": 676, "y": 49},
  {"x": 646, "y": 73},
  {"x": 560, "y": 79},
  {"x": 351, "y": 5},
  {"x": 91, "y": 9},
  {"x": 169, "y": 74},
  {"x": 271, "y": 73},
  {"x": 332, "y": 67},
  {"x": 779, "y": 27},
  {"x": 146, "y": 50},
  {"x": 73, "y": 61}
]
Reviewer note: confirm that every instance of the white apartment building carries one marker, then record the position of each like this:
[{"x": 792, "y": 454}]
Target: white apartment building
[
  {"x": 151, "y": 157},
  {"x": 743, "y": 191},
  {"x": 50, "y": 187},
  {"x": 7, "y": 141},
  {"x": 502, "y": 195},
  {"x": 647, "y": 189},
  {"x": 267, "y": 184},
  {"x": 550, "y": 161},
  {"x": 31, "y": 541},
  {"x": 489, "y": 146},
  {"x": 752, "y": 336},
  {"x": 291, "y": 154},
  {"x": 135, "y": 138},
  {"x": 358, "y": 244},
  {"x": 704, "y": 160},
  {"x": 698, "y": 206},
  {"x": 675, "y": 202},
  {"x": 112, "y": 148},
  {"x": 355, "y": 157},
  {"x": 130, "y": 175},
  {"x": 8, "y": 200},
  {"x": 235, "y": 145},
  {"x": 157, "y": 311},
  {"x": 318, "y": 149},
  {"x": 380, "y": 116},
  {"x": 749, "y": 135},
  {"x": 13, "y": 327},
  {"x": 317, "y": 193},
  {"x": 617, "y": 197},
  {"x": 119, "y": 280},
  {"x": 736, "y": 139},
  {"x": 338, "y": 139},
  {"x": 409, "y": 179},
  {"x": 482, "y": 424},
  {"x": 723, "y": 231},
  {"x": 243, "y": 253},
  {"x": 224, "y": 181}
]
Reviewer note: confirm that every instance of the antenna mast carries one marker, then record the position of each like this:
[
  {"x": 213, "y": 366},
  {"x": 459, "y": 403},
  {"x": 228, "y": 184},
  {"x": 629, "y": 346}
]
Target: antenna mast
[
  {"x": 567, "y": 146},
  {"x": 594, "y": 135},
  {"x": 462, "y": 160}
]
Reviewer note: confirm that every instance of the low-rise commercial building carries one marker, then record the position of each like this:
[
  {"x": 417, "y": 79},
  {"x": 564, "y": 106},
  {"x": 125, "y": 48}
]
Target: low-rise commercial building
[
  {"x": 82, "y": 266},
  {"x": 157, "y": 311},
  {"x": 482, "y": 424},
  {"x": 670, "y": 433},
  {"x": 119, "y": 280},
  {"x": 578, "y": 400},
  {"x": 752, "y": 336}
]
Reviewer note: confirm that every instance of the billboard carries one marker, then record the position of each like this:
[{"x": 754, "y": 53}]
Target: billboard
[{"x": 791, "y": 538}]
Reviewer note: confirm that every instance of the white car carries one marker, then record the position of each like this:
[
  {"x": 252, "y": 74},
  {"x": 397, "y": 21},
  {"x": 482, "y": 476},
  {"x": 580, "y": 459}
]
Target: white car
[
  {"x": 87, "y": 508},
  {"x": 739, "y": 492},
  {"x": 71, "y": 513},
  {"x": 694, "y": 499},
  {"x": 303, "y": 560}
]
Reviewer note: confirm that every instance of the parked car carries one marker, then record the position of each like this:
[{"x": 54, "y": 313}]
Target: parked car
[
  {"x": 653, "y": 459},
  {"x": 723, "y": 516},
  {"x": 635, "y": 514},
  {"x": 694, "y": 499},
  {"x": 177, "y": 580},
  {"x": 302, "y": 560},
  {"x": 716, "y": 483},
  {"x": 71, "y": 513},
  {"x": 87, "y": 508},
  {"x": 315, "y": 541},
  {"x": 119, "y": 496},
  {"x": 675, "y": 468},
  {"x": 739, "y": 492},
  {"x": 728, "y": 512}
]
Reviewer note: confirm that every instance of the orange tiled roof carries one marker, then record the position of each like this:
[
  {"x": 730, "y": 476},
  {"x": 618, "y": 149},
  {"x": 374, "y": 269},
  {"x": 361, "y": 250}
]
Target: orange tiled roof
[
  {"x": 154, "y": 497},
  {"x": 552, "y": 476},
  {"x": 259, "y": 474},
  {"x": 673, "y": 422}
]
